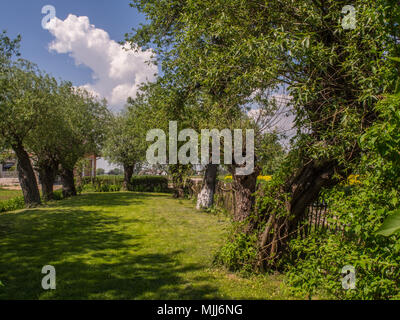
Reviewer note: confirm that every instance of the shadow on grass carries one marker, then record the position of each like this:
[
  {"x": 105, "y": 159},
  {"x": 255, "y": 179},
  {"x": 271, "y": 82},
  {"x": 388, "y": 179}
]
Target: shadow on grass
[{"x": 94, "y": 258}]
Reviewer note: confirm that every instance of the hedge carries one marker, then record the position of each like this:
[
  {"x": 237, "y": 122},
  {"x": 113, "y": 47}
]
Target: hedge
[
  {"x": 149, "y": 184},
  {"x": 114, "y": 184}
]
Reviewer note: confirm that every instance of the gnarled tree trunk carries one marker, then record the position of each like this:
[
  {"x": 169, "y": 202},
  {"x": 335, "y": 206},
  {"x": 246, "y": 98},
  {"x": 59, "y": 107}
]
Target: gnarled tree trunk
[
  {"x": 68, "y": 183},
  {"x": 244, "y": 188},
  {"x": 26, "y": 176},
  {"x": 205, "y": 199},
  {"x": 128, "y": 173},
  {"x": 303, "y": 189},
  {"x": 47, "y": 174}
]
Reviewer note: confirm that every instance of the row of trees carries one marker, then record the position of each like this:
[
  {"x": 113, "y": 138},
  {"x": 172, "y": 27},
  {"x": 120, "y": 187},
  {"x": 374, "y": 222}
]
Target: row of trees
[
  {"x": 218, "y": 57},
  {"x": 50, "y": 125}
]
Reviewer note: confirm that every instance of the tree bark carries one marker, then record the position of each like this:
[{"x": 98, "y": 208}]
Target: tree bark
[
  {"x": 244, "y": 188},
  {"x": 128, "y": 173},
  {"x": 205, "y": 199},
  {"x": 26, "y": 177},
  {"x": 68, "y": 183},
  {"x": 303, "y": 189},
  {"x": 47, "y": 174}
]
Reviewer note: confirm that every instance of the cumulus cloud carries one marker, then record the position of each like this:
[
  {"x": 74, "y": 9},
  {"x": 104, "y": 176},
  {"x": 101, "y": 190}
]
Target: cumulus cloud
[{"x": 117, "y": 72}]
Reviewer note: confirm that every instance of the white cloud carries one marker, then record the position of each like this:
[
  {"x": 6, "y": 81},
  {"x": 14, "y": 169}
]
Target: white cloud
[
  {"x": 117, "y": 73},
  {"x": 281, "y": 121}
]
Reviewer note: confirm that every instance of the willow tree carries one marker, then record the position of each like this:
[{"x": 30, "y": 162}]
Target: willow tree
[
  {"x": 185, "y": 54},
  {"x": 42, "y": 141},
  {"x": 23, "y": 108},
  {"x": 84, "y": 131},
  {"x": 126, "y": 141},
  {"x": 333, "y": 70}
]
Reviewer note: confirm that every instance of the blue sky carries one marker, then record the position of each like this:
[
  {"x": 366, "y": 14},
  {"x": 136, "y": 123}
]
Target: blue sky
[
  {"x": 102, "y": 68},
  {"x": 25, "y": 16}
]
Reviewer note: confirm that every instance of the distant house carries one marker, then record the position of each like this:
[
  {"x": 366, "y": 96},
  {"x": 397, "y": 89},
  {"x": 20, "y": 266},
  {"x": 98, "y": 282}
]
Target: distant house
[
  {"x": 7, "y": 169},
  {"x": 91, "y": 166}
]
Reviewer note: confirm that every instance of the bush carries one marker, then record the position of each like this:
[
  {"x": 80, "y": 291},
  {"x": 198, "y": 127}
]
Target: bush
[
  {"x": 361, "y": 209},
  {"x": 12, "y": 204},
  {"x": 149, "y": 184},
  {"x": 101, "y": 184},
  {"x": 114, "y": 184},
  {"x": 316, "y": 262},
  {"x": 18, "y": 203},
  {"x": 239, "y": 253},
  {"x": 58, "y": 195}
]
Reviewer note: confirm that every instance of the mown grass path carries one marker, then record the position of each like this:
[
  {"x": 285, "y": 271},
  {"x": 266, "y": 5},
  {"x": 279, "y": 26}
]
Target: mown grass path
[{"x": 121, "y": 246}]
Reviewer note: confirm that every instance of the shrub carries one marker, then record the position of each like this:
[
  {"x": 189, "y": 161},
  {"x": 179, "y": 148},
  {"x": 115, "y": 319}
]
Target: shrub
[
  {"x": 361, "y": 208},
  {"x": 239, "y": 253},
  {"x": 149, "y": 184},
  {"x": 101, "y": 184},
  {"x": 316, "y": 262},
  {"x": 58, "y": 195},
  {"x": 12, "y": 204}
]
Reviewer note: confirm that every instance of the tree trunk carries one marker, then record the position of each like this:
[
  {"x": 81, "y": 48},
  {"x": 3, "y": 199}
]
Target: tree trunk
[
  {"x": 244, "y": 188},
  {"x": 27, "y": 178},
  {"x": 47, "y": 174},
  {"x": 179, "y": 174},
  {"x": 68, "y": 183},
  {"x": 303, "y": 189},
  {"x": 205, "y": 199},
  {"x": 128, "y": 173}
]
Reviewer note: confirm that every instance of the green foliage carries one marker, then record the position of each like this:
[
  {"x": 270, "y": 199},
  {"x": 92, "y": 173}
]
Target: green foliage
[
  {"x": 238, "y": 253},
  {"x": 391, "y": 225},
  {"x": 320, "y": 259},
  {"x": 270, "y": 153},
  {"x": 58, "y": 195},
  {"x": 316, "y": 261},
  {"x": 55, "y": 122},
  {"x": 101, "y": 184},
  {"x": 365, "y": 212},
  {"x": 149, "y": 184},
  {"x": 12, "y": 204},
  {"x": 126, "y": 138},
  {"x": 114, "y": 184}
]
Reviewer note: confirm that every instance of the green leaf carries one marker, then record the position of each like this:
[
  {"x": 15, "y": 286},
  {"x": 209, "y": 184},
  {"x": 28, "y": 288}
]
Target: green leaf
[
  {"x": 391, "y": 225},
  {"x": 396, "y": 59}
]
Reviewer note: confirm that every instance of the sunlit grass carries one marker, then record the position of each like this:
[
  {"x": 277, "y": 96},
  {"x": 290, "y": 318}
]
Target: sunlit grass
[
  {"x": 121, "y": 246},
  {"x": 6, "y": 194}
]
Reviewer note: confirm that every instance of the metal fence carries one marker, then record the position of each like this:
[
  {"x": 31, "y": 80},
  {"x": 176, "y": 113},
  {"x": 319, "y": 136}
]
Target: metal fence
[{"x": 317, "y": 216}]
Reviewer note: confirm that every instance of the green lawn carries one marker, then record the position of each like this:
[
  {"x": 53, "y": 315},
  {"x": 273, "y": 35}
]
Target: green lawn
[
  {"x": 121, "y": 246},
  {"x": 8, "y": 194}
]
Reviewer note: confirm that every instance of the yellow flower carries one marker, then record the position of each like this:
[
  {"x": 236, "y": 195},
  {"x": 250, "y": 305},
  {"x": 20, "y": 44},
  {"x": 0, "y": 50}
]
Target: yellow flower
[
  {"x": 260, "y": 178},
  {"x": 353, "y": 179},
  {"x": 264, "y": 178}
]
